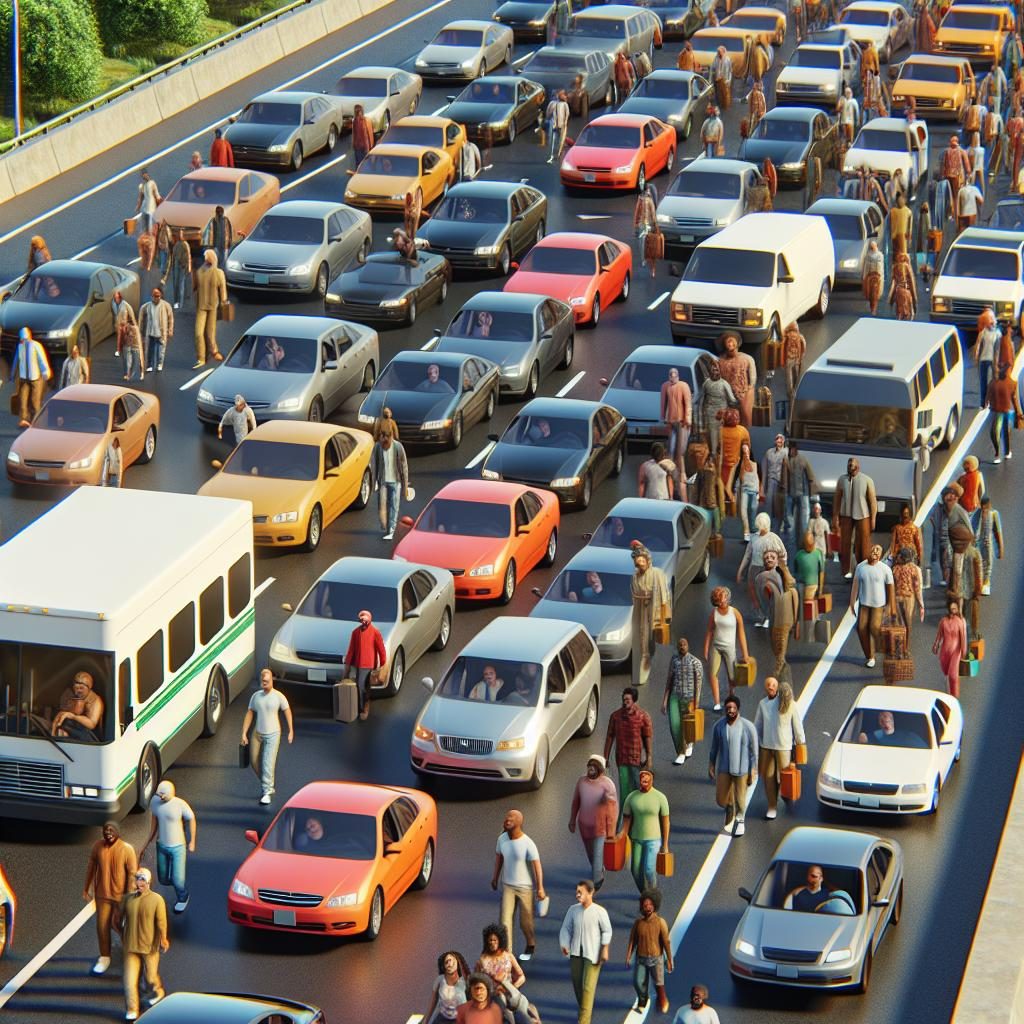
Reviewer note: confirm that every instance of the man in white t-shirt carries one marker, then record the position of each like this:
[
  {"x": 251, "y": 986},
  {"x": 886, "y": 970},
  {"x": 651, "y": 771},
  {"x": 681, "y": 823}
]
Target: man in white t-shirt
[
  {"x": 517, "y": 865},
  {"x": 968, "y": 201},
  {"x": 149, "y": 199},
  {"x": 698, "y": 1012},
  {"x": 174, "y": 826},
  {"x": 873, "y": 588},
  {"x": 266, "y": 705}
]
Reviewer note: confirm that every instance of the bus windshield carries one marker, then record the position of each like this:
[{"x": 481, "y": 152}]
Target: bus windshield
[{"x": 850, "y": 423}]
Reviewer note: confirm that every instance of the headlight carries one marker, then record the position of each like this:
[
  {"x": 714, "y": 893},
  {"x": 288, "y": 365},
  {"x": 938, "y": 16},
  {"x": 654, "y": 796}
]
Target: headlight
[
  {"x": 437, "y": 424},
  {"x": 947, "y": 104},
  {"x": 422, "y": 733},
  {"x": 830, "y": 780},
  {"x": 744, "y": 947},
  {"x": 348, "y": 900},
  {"x": 285, "y": 517},
  {"x": 234, "y": 264},
  {"x": 1005, "y": 310},
  {"x": 63, "y": 332},
  {"x": 664, "y": 218},
  {"x": 682, "y": 311},
  {"x": 566, "y": 166},
  {"x": 624, "y": 169},
  {"x": 421, "y": 63},
  {"x": 940, "y": 304},
  {"x": 80, "y": 463},
  {"x": 791, "y": 166},
  {"x": 280, "y": 649},
  {"x": 752, "y": 317},
  {"x": 613, "y": 636},
  {"x": 516, "y": 744},
  {"x": 363, "y": 418},
  {"x": 349, "y": 194},
  {"x": 489, "y": 474},
  {"x": 565, "y": 481},
  {"x": 279, "y": 147},
  {"x": 239, "y": 888},
  {"x": 828, "y": 87},
  {"x": 392, "y": 303},
  {"x": 334, "y": 297},
  {"x": 14, "y": 458},
  {"x": 205, "y": 395},
  {"x": 468, "y": 63},
  {"x": 288, "y": 403},
  {"x": 483, "y": 570},
  {"x": 848, "y": 264},
  {"x": 836, "y": 955},
  {"x": 722, "y": 222},
  {"x": 398, "y": 197},
  {"x": 915, "y": 787},
  {"x": 302, "y": 268},
  {"x": 538, "y": 22},
  {"x": 579, "y": 300},
  {"x": 422, "y": 242},
  {"x": 487, "y": 250},
  {"x": 676, "y": 118}
]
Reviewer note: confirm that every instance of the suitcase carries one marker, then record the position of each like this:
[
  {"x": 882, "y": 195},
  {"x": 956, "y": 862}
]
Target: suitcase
[
  {"x": 693, "y": 726},
  {"x": 969, "y": 667},
  {"x": 716, "y": 546},
  {"x": 822, "y": 631},
  {"x": 666, "y": 864},
  {"x": 789, "y": 783},
  {"x": 696, "y": 455},
  {"x": 834, "y": 543},
  {"x": 800, "y": 754},
  {"x": 226, "y": 312},
  {"x": 746, "y": 672},
  {"x": 810, "y": 609},
  {"x": 824, "y": 602},
  {"x": 346, "y": 700},
  {"x": 662, "y": 633},
  {"x": 772, "y": 355},
  {"x": 615, "y": 853},
  {"x": 129, "y": 226},
  {"x": 762, "y": 416},
  {"x": 977, "y": 647}
]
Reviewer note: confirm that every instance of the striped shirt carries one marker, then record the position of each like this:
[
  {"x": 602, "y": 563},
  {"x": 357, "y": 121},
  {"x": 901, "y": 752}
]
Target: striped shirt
[{"x": 685, "y": 676}]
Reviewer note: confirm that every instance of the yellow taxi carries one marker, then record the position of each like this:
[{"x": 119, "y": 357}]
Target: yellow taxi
[
  {"x": 941, "y": 87},
  {"x": 299, "y": 478},
  {"x": 976, "y": 31},
  {"x": 738, "y": 43},
  {"x": 768, "y": 22},
  {"x": 388, "y": 172},
  {"x": 429, "y": 130}
]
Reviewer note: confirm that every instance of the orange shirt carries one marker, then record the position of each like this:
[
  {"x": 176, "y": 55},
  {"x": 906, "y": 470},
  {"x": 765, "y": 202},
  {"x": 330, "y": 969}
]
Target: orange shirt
[{"x": 732, "y": 438}]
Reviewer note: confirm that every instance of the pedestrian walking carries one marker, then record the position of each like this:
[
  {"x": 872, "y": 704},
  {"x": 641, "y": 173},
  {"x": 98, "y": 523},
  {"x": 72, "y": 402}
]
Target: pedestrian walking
[
  {"x": 954, "y": 166},
  {"x": 129, "y": 338},
  {"x": 744, "y": 490},
  {"x": 156, "y": 325},
  {"x": 30, "y": 368},
  {"x": 645, "y": 819},
  {"x": 240, "y": 418},
  {"x": 818, "y": 527},
  {"x": 145, "y": 243},
  {"x": 211, "y": 291},
  {"x": 109, "y": 877},
  {"x": 365, "y": 659},
  {"x": 682, "y": 695},
  {"x": 221, "y": 153},
  {"x": 753, "y": 561},
  {"x": 740, "y": 370},
  {"x": 652, "y": 608},
  {"x": 848, "y": 110},
  {"x": 38, "y": 253},
  {"x": 623, "y": 78},
  {"x": 968, "y": 202},
  {"x": 854, "y": 511},
  {"x": 112, "y": 473},
  {"x": 594, "y": 812},
  {"x": 809, "y": 569},
  {"x": 798, "y": 484},
  {"x": 721, "y": 78},
  {"x": 989, "y": 540},
  {"x": 951, "y": 645},
  {"x": 926, "y": 250},
  {"x": 901, "y": 225},
  {"x": 903, "y": 289},
  {"x": 657, "y": 476},
  {"x": 631, "y": 732},
  {"x": 518, "y": 868},
  {"x": 584, "y": 937},
  {"x": 497, "y": 963},
  {"x": 776, "y": 585},
  {"x": 908, "y": 589},
  {"x": 164, "y": 245},
  {"x": 144, "y": 938},
  {"x": 557, "y": 117},
  {"x": 389, "y": 471},
  {"x": 687, "y": 59},
  {"x": 649, "y": 940},
  {"x": 872, "y": 596},
  {"x": 645, "y": 216},
  {"x": 984, "y": 354},
  {"x": 716, "y": 396},
  {"x": 906, "y": 534},
  {"x": 362, "y": 135},
  {"x": 412, "y": 211},
  {"x": 175, "y": 828},
  {"x": 218, "y": 235},
  {"x": 179, "y": 269},
  {"x": 710, "y": 493},
  {"x": 266, "y": 706},
  {"x": 948, "y": 513},
  {"x": 75, "y": 369},
  {"x": 1003, "y": 398},
  {"x": 873, "y": 276},
  {"x": 698, "y": 1012},
  {"x": 772, "y": 464},
  {"x": 732, "y": 765},
  {"x": 732, "y": 437},
  {"x": 449, "y": 990},
  {"x": 481, "y": 1007},
  {"x": 148, "y": 200},
  {"x": 756, "y": 107},
  {"x": 972, "y": 487},
  {"x": 965, "y": 576},
  {"x": 725, "y": 637},
  {"x": 780, "y": 729},
  {"x": 470, "y": 161},
  {"x": 794, "y": 350},
  {"x": 712, "y": 133}
]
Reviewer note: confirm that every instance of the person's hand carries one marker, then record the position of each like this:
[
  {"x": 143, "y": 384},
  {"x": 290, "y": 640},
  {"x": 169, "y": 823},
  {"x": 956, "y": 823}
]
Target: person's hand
[
  {"x": 922, "y": 613},
  {"x": 664, "y": 706},
  {"x": 220, "y": 434},
  {"x": 739, "y": 577},
  {"x": 291, "y": 735},
  {"x": 572, "y": 827},
  {"x": 565, "y": 952},
  {"x": 192, "y": 846},
  {"x": 604, "y": 954},
  {"x": 85, "y": 895},
  {"x": 629, "y": 959},
  {"x": 711, "y": 772},
  {"x": 164, "y": 945},
  {"x": 541, "y": 894},
  {"x": 244, "y": 741},
  {"x": 60, "y": 718},
  {"x": 494, "y": 884},
  {"x": 664, "y": 848},
  {"x": 835, "y": 524}
]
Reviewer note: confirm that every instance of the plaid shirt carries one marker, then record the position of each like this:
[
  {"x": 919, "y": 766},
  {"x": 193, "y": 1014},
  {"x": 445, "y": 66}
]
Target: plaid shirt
[
  {"x": 629, "y": 730},
  {"x": 685, "y": 676}
]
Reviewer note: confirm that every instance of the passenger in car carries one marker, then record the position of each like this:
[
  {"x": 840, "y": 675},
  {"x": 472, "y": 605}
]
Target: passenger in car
[{"x": 807, "y": 898}]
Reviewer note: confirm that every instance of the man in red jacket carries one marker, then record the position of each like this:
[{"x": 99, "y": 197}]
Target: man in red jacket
[
  {"x": 366, "y": 654},
  {"x": 221, "y": 153}
]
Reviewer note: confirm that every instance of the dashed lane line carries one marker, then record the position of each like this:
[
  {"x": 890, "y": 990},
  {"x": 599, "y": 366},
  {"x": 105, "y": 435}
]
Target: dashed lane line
[
  {"x": 659, "y": 300},
  {"x": 571, "y": 384},
  {"x": 480, "y": 456}
]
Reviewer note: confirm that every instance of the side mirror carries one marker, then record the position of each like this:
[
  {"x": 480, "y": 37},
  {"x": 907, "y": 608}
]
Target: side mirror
[
  {"x": 330, "y": 364},
  {"x": 286, "y": 607},
  {"x": 252, "y": 835},
  {"x": 427, "y": 683},
  {"x": 547, "y": 336},
  {"x": 493, "y": 437},
  {"x": 745, "y": 894},
  {"x": 945, "y": 743},
  {"x": 605, "y": 268},
  {"x": 882, "y": 901},
  {"x": 413, "y": 613},
  {"x": 117, "y": 429},
  {"x": 556, "y": 698},
  {"x": 5, "y": 296},
  {"x": 586, "y": 536},
  {"x": 407, "y": 521},
  {"x": 603, "y": 381},
  {"x": 336, "y": 238},
  {"x": 536, "y": 591},
  {"x": 392, "y": 849},
  {"x": 787, "y": 279},
  {"x": 330, "y": 474},
  {"x": 513, "y": 265},
  {"x": 450, "y": 99}
]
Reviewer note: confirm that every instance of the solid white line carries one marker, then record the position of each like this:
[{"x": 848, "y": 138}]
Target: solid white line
[
  {"x": 315, "y": 171},
  {"x": 568, "y": 387},
  {"x": 52, "y": 947},
  {"x": 197, "y": 378},
  {"x": 480, "y": 456},
  {"x": 263, "y": 586},
  {"x": 219, "y": 122},
  {"x": 96, "y": 245},
  {"x": 659, "y": 300},
  {"x": 522, "y": 60},
  {"x": 138, "y": 259},
  {"x": 594, "y": 216}
]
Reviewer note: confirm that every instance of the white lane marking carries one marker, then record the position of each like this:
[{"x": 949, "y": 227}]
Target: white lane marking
[
  {"x": 659, "y": 300},
  {"x": 416, "y": 1018},
  {"x": 314, "y": 172},
  {"x": 522, "y": 60},
  {"x": 434, "y": 113},
  {"x": 131, "y": 263},
  {"x": 218, "y": 123},
  {"x": 52, "y": 947},
  {"x": 92, "y": 248},
  {"x": 713, "y": 861},
  {"x": 269, "y": 581},
  {"x": 594, "y": 216},
  {"x": 480, "y": 456},
  {"x": 568, "y": 387},
  {"x": 196, "y": 379}
]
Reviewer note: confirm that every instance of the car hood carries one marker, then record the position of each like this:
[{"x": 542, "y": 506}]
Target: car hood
[
  {"x": 557, "y": 286},
  {"x": 786, "y": 929},
  {"x": 521, "y": 12},
  {"x": 698, "y": 206},
  {"x": 383, "y": 184},
  {"x": 555, "y": 78},
  {"x": 729, "y": 296},
  {"x": 268, "y": 869},
  {"x": 373, "y": 106},
  {"x": 598, "y": 156},
  {"x": 809, "y": 76},
  {"x": 468, "y": 112},
  {"x": 927, "y": 90},
  {"x": 877, "y": 160},
  {"x": 451, "y": 551},
  {"x": 460, "y": 234},
  {"x": 974, "y": 288},
  {"x": 848, "y": 249},
  {"x": 478, "y": 719},
  {"x": 540, "y": 465},
  {"x": 877, "y": 34},
  {"x": 351, "y": 286},
  {"x": 38, "y": 317},
  {"x": 257, "y": 385},
  {"x": 504, "y": 353},
  {"x": 660, "y": 109},
  {"x": 50, "y": 445},
  {"x": 634, "y": 405},
  {"x": 413, "y": 407},
  {"x": 268, "y": 495},
  {"x": 260, "y": 134},
  {"x": 779, "y": 152},
  {"x": 309, "y": 633},
  {"x": 274, "y": 254},
  {"x": 863, "y": 762},
  {"x": 596, "y": 619},
  {"x": 434, "y": 54}
]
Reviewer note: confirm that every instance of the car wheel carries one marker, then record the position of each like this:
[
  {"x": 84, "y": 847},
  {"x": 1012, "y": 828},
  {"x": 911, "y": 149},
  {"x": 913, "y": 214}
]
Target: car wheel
[
  {"x": 704, "y": 571},
  {"x": 322, "y": 280},
  {"x": 897, "y": 908},
  {"x": 316, "y": 410},
  {"x": 444, "y": 633},
  {"x": 609, "y": 95},
  {"x": 589, "y": 723},
  {"x": 641, "y": 178},
  {"x": 952, "y": 427},
  {"x": 397, "y": 674},
  {"x": 386, "y": 123},
  {"x": 376, "y": 918},
  {"x": 508, "y": 55},
  {"x": 533, "y": 381},
  {"x": 296, "y": 157},
  {"x": 688, "y": 127},
  {"x": 5, "y": 928},
  {"x": 504, "y": 260},
  {"x": 82, "y": 341},
  {"x": 511, "y": 130},
  {"x": 936, "y": 789},
  {"x": 426, "y": 867},
  {"x": 147, "y": 778},
  {"x": 670, "y": 160},
  {"x": 332, "y": 138},
  {"x": 567, "y": 357},
  {"x": 456, "y": 439},
  {"x": 595, "y": 312},
  {"x": 148, "y": 447},
  {"x": 624, "y": 294},
  {"x": 443, "y": 293},
  {"x": 509, "y": 587},
  {"x": 215, "y": 703},
  {"x": 540, "y": 765},
  {"x": 482, "y": 70},
  {"x": 492, "y": 401},
  {"x": 824, "y": 296},
  {"x": 363, "y": 497},
  {"x": 865, "y": 974},
  {"x": 364, "y": 251},
  {"x": 542, "y": 228},
  {"x": 588, "y": 491},
  {"x": 411, "y": 314},
  {"x": 551, "y": 551},
  {"x": 314, "y": 529},
  {"x": 620, "y": 458},
  {"x": 369, "y": 377}
]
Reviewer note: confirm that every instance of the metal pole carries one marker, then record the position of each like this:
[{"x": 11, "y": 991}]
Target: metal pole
[{"x": 16, "y": 65}]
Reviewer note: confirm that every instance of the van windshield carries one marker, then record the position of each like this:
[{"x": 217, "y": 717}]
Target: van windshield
[
  {"x": 986, "y": 264},
  {"x": 731, "y": 266},
  {"x": 848, "y": 423},
  {"x": 882, "y": 141},
  {"x": 915, "y": 72}
]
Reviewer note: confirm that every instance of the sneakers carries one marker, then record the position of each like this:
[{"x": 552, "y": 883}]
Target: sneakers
[
  {"x": 390, "y": 535},
  {"x": 986, "y": 589},
  {"x": 217, "y": 357},
  {"x": 198, "y": 365},
  {"x": 527, "y": 954},
  {"x": 681, "y": 759},
  {"x": 265, "y": 799},
  {"x": 160, "y": 368},
  {"x": 997, "y": 460},
  {"x": 130, "y": 1015},
  {"x": 727, "y": 828},
  {"x": 154, "y": 999},
  {"x": 179, "y": 907},
  {"x": 740, "y": 828},
  {"x": 1009, "y": 455},
  {"x": 746, "y": 538},
  {"x": 848, "y": 576},
  {"x": 688, "y": 752},
  {"x": 771, "y": 815},
  {"x": 175, "y": 305},
  {"x": 717, "y": 707},
  {"x": 870, "y": 663},
  {"x": 101, "y": 965},
  {"x": 764, "y": 624},
  {"x": 149, "y": 369}
]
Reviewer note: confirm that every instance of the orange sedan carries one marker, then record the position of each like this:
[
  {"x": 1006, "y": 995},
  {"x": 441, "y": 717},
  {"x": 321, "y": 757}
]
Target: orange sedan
[
  {"x": 245, "y": 196},
  {"x": 336, "y": 859},
  {"x": 619, "y": 151},
  {"x": 488, "y": 534},
  {"x": 67, "y": 441}
]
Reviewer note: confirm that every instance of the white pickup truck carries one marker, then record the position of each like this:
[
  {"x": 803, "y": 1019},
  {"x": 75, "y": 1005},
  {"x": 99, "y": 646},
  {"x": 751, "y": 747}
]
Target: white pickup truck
[{"x": 887, "y": 144}]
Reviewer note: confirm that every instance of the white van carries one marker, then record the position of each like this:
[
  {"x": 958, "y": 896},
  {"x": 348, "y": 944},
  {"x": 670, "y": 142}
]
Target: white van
[
  {"x": 754, "y": 277},
  {"x": 156, "y": 605},
  {"x": 887, "y": 392},
  {"x": 983, "y": 267}
]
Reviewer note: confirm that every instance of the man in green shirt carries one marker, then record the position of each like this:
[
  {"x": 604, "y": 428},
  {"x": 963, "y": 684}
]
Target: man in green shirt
[
  {"x": 809, "y": 569},
  {"x": 645, "y": 821}
]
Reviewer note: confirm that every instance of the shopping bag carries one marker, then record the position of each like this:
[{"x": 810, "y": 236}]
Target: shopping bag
[
  {"x": 789, "y": 783},
  {"x": 696, "y": 454},
  {"x": 243, "y": 755},
  {"x": 693, "y": 726},
  {"x": 800, "y": 753},
  {"x": 662, "y": 633},
  {"x": 129, "y": 226},
  {"x": 894, "y": 638},
  {"x": 746, "y": 672},
  {"x": 835, "y": 543},
  {"x": 772, "y": 355},
  {"x": 345, "y": 699},
  {"x": 666, "y": 864},
  {"x": 969, "y": 667},
  {"x": 810, "y": 609},
  {"x": 822, "y": 631},
  {"x": 543, "y": 906},
  {"x": 226, "y": 312},
  {"x": 897, "y": 669},
  {"x": 824, "y": 602},
  {"x": 978, "y": 648}
]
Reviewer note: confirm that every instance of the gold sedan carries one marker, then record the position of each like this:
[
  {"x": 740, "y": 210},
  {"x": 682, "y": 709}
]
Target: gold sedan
[
  {"x": 429, "y": 130},
  {"x": 388, "y": 172},
  {"x": 299, "y": 477}
]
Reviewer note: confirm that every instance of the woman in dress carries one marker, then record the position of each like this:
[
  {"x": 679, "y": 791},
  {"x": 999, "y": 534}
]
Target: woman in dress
[
  {"x": 951, "y": 645},
  {"x": 449, "y": 991},
  {"x": 651, "y": 606},
  {"x": 38, "y": 253},
  {"x": 749, "y": 486},
  {"x": 724, "y": 637},
  {"x": 500, "y": 965}
]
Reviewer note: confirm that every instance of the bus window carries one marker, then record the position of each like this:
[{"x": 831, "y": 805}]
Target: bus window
[
  {"x": 150, "y": 663},
  {"x": 923, "y": 386},
  {"x": 952, "y": 350},
  {"x": 211, "y": 611},
  {"x": 181, "y": 637},
  {"x": 239, "y": 585},
  {"x": 124, "y": 691},
  {"x": 938, "y": 371}
]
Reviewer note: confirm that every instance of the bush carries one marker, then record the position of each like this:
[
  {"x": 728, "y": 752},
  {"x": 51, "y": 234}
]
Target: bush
[
  {"x": 60, "y": 49},
  {"x": 142, "y": 26}
]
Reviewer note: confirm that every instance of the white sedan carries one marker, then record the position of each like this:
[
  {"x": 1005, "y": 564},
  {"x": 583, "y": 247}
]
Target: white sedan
[{"x": 894, "y": 751}]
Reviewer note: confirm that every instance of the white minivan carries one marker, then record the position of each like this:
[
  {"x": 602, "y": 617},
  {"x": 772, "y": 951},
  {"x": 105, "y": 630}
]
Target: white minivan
[
  {"x": 754, "y": 277},
  {"x": 887, "y": 392}
]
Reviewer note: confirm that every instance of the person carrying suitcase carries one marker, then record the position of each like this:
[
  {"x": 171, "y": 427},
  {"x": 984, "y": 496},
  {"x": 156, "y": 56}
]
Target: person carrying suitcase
[{"x": 365, "y": 660}]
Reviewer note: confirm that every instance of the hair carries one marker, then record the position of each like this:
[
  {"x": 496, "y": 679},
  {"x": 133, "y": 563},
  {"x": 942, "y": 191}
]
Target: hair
[
  {"x": 785, "y": 697},
  {"x": 585, "y": 883},
  {"x": 654, "y": 895},
  {"x": 463, "y": 967},
  {"x": 496, "y": 929},
  {"x": 732, "y": 699},
  {"x": 702, "y": 989},
  {"x": 731, "y": 418},
  {"x": 146, "y": 872},
  {"x": 950, "y": 601},
  {"x": 479, "y": 978},
  {"x": 762, "y": 521},
  {"x": 632, "y": 691},
  {"x": 637, "y": 550},
  {"x": 720, "y": 594},
  {"x": 657, "y": 451},
  {"x": 986, "y": 499}
]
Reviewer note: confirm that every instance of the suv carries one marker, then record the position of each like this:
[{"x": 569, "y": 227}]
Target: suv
[
  {"x": 939, "y": 86},
  {"x": 887, "y": 144},
  {"x": 817, "y": 73},
  {"x": 979, "y": 32},
  {"x": 881, "y": 22}
]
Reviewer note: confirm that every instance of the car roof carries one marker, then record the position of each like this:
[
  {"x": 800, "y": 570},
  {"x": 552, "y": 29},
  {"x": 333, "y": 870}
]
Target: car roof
[
  {"x": 422, "y": 121},
  {"x": 719, "y": 165},
  {"x": 353, "y": 797},
  {"x": 402, "y": 149},
  {"x": 294, "y": 325},
  {"x": 936, "y": 58},
  {"x": 823, "y": 46},
  {"x": 599, "y": 558},
  {"x": 373, "y": 71},
  {"x": 468, "y": 23},
  {"x": 645, "y": 508},
  {"x": 574, "y": 408},
  {"x": 991, "y": 238},
  {"x": 838, "y": 846},
  {"x": 510, "y": 302},
  {"x": 311, "y": 208},
  {"x": 496, "y": 492},
  {"x": 518, "y": 638},
  {"x": 678, "y": 355},
  {"x": 487, "y": 189},
  {"x": 760, "y": 229},
  {"x": 217, "y": 1008},
  {"x": 217, "y": 174},
  {"x": 721, "y": 30},
  {"x": 428, "y": 358},
  {"x": 297, "y": 431},
  {"x": 377, "y": 572},
  {"x": 610, "y": 11},
  {"x": 573, "y": 240},
  {"x": 881, "y": 348},
  {"x": 834, "y": 204},
  {"x": 672, "y": 75},
  {"x": 792, "y": 114},
  {"x": 295, "y": 96},
  {"x": 898, "y": 698},
  {"x": 102, "y": 394},
  {"x": 623, "y": 120},
  {"x": 871, "y": 5},
  {"x": 499, "y": 79},
  {"x": 888, "y": 124},
  {"x": 761, "y": 11},
  {"x": 70, "y": 268}
]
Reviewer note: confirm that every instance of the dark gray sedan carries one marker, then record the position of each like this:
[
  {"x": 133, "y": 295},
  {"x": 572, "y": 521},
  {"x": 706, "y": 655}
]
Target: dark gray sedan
[
  {"x": 556, "y": 67},
  {"x": 387, "y": 288},
  {"x": 529, "y": 19},
  {"x": 854, "y": 224},
  {"x": 486, "y": 224},
  {"x": 497, "y": 108},
  {"x": 674, "y": 97}
]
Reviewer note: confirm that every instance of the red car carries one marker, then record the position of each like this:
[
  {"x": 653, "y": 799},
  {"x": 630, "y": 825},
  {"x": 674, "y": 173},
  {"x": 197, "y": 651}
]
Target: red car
[
  {"x": 588, "y": 272},
  {"x": 336, "y": 859},
  {"x": 619, "y": 151}
]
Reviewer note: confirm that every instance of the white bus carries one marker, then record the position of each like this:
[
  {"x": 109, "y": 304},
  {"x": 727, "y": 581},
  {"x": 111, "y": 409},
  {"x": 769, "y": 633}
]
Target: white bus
[{"x": 149, "y": 593}]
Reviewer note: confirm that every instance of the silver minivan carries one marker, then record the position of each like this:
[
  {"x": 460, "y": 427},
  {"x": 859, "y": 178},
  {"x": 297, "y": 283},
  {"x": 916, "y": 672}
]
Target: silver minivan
[
  {"x": 617, "y": 28},
  {"x": 518, "y": 692}
]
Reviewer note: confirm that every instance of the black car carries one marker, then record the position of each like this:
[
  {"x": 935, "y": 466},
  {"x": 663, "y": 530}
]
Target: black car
[
  {"x": 679, "y": 18},
  {"x": 564, "y": 444},
  {"x": 388, "y": 288},
  {"x": 496, "y": 108},
  {"x": 433, "y": 396},
  {"x": 222, "y": 1008},
  {"x": 529, "y": 19},
  {"x": 792, "y": 138},
  {"x": 556, "y": 67},
  {"x": 1009, "y": 214},
  {"x": 486, "y": 224}
]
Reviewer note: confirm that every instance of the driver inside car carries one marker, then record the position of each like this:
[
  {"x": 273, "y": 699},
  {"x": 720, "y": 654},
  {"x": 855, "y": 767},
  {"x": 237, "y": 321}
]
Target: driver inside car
[
  {"x": 591, "y": 592},
  {"x": 81, "y": 711},
  {"x": 887, "y": 735},
  {"x": 807, "y": 898}
]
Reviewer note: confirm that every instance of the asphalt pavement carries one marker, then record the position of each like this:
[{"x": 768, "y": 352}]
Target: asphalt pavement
[{"x": 948, "y": 856}]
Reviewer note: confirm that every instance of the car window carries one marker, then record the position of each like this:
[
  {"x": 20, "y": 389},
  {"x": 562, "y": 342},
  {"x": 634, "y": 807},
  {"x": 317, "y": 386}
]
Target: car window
[
  {"x": 132, "y": 404},
  {"x": 108, "y": 282},
  {"x": 580, "y": 650},
  {"x": 470, "y": 373},
  {"x": 430, "y": 161},
  {"x": 608, "y": 254},
  {"x": 568, "y": 669},
  {"x": 556, "y": 677},
  {"x": 952, "y": 350},
  {"x": 649, "y": 132},
  {"x": 938, "y": 371},
  {"x": 520, "y": 203},
  {"x": 690, "y": 522},
  {"x": 451, "y": 133},
  {"x": 423, "y": 583},
  {"x": 120, "y": 413},
  {"x": 390, "y": 830},
  {"x": 336, "y": 225},
  {"x": 332, "y": 460},
  {"x": 346, "y": 445},
  {"x": 406, "y": 812},
  {"x": 783, "y": 267},
  {"x": 247, "y": 186},
  {"x": 938, "y": 725},
  {"x": 523, "y": 516},
  {"x": 409, "y": 599},
  {"x": 549, "y": 315},
  {"x": 328, "y": 353},
  {"x": 943, "y": 709},
  {"x": 532, "y": 503}
]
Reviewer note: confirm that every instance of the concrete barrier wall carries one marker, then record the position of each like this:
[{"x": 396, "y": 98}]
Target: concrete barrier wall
[{"x": 84, "y": 138}]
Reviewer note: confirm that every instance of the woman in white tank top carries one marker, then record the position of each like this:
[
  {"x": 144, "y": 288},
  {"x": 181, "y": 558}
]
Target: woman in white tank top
[{"x": 725, "y": 634}]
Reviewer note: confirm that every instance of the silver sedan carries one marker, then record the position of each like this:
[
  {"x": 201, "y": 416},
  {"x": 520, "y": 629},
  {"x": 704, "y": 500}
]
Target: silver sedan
[
  {"x": 466, "y": 49},
  {"x": 300, "y": 246},
  {"x": 412, "y": 606},
  {"x": 675, "y": 97},
  {"x": 385, "y": 94}
]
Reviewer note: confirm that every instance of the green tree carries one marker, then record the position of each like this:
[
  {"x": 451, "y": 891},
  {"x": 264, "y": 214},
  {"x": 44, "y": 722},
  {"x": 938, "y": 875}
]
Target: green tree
[
  {"x": 146, "y": 26},
  {"x": 60, "y": 51}
]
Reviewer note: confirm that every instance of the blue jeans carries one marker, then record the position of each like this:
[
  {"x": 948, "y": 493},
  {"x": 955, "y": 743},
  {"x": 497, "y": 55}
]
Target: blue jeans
[
  {"x": 556, "y": 138},
  {"x": 643, "y": 863},
  {"x": 984, "y": 376},
  {"x": 179, "y": 282},
  {"x": 162, "y": 256},
  {"x": 801, "y": 505},
  {"x": 594, "y": 849},
  {"x": 155, "y": 349},
  {"x": 747, "y": 508},
  {"x": 1001, "y": 424},
  {"x": 132, "y": 361},
  {"x": 264, "y": 757},
  {"x": 388, "y": 504},
  {"x": 170, "y": 869},
  {"x": 645, "y": 969}
]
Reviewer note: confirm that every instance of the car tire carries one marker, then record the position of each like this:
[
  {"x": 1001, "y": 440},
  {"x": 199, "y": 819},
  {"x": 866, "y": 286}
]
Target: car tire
[
  {"x": 511, "y": 130},
  {"x": 641, "y": 178},
  {"x": 567, "y": 356},
  {"x": 295, "y": 159},
  {"x": 532, "y": 382},
  {"x": 508, "y": 56},
  {"x": 5, "y": 928},
  {"x": 216, "y": 702},
  {"x": 83, "y": 342},
  {"x": 952, "y": 428},
  {"x": 376, "y": 916},
  {"x": 444, "y": 633},
  {"x": 147, "y": 777},
  {"x": 316, "y": 410},
  {"x": 332, "y": 138},
  {"x": 670, "y": 161},
  {"x": 936, "y": 792},
  {"x": 397, "y": 674},
  {"x": 456, "y": 438},
  {"x": 426, "y": 867},
  {"x": 148, "y": 447},
  {"x": 688, "y": 127},
  {"x": 897, "y": 908},
  {"x": 386, "y": 124},
  {"x": 702, "y": 574},
  {"x": 590, "y": 715},
  {"x": 315, "y": 528},
  {"x": 540, "y": 765},
  {"x": 482, "y": 70},
  {"x": 623, "y": 295},
  {"x": 410, "y": 316},
  {"x": 369, "y": 377},
  {"x": 588, "y": 491},
  {"x": 620, "y": 458},
  {"x": 508, "y": 587},
  {"x": 824, "y": 297},
  {"x": 443, "y": 293},
  {"x": 542, "y": 230},
  {"x": 504, "y": 260},
  {"x": 364, "y": 251},
  {"x": 492, "y": 403},
  {"x": 865, "y": 974},
  {"x": 595, "y": 312},
  {"x": 321, "y": 281},
  {"x": 363, "y": 497},
  {"x": 551, "y": 551}
]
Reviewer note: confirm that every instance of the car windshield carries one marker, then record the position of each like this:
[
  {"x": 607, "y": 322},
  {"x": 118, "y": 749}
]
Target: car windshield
[
  {"x": 271, "y": 113},
  {"x": 492, "y": 680},
  {"x": 621, "y": 531},
  {"x": 369, "y": 87},
  {"x": 849, "y": 422},
  {"x": 731, "y": 266},
  {"x": 275, "y": 460},
  {"x": 845, "y": 227},
  {"x": 475, "y": 209},
  {"x": 601, "y": 28},
  {"x": 554, "y": 62},
  {"x": 390, "y": 165},
  {"x": 410, "y": 375},
  {"x": 705, "y": 44},
  {"x": 203, "y": 191},
  {"x": 922, "y": 72},
  {"x": 648, "y": 376},
  {"x": 488, "y": 92},
  {"x": 274, "y": 353},
  {"x": 785, "y": 887},
  {"x": 466, "y": 518},
  {"x": 663, "y": 89},
  {"x": 777, "y": 129},
  {"x": 826, "y": 59},
  {"x": 415, "y": 135},
  {"x": 576, "y": 586},
  {"x": 882, "y": 141},
  {"x": 53, "y": 289},
  {"x": 316, "y": 833},
  {"x": 878, "y": 727},
  {"x": 975, "y": 21},
  {"x": 73, "y": 417},
  {"x": 291, "y": 230},
  {"x": 342, "y": 601},
  {"x": 548, "y": 432},
  {"x": 500, "y": 325},
  {"x": 985, "y": 264},
  {"x": 706, "y": 185},
  {"x": 459, "y": 37},
  {"x": 387, "y": 272},
  {"x": 863, "y": 17},
  {"x": 1009, "y": 215},
  {"x": 760, "y": 22},
  {"x": 609, "y": 136},
  {"x": 550, "y": 259}
]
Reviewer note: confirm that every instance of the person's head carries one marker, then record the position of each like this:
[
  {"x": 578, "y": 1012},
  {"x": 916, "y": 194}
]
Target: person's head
[
  {"x": 144, "y": 174},
  {"x": 714, "y": 370},
  {"x": 771, "y": 687},
  {"x": 780, "y": 442},
  {"x": 81, "y": 685},
  {"x": 585, "y": 892},
  {"x": 721, "y": 51},
  {"x": 357, "y": 110},
  {"x": 143, "y": 878},
  {"x": 970, "y": 464},
  {"x": 630, "y": 696},
  {"x": 75, "y": 353},
  {"x": 673, "y": 376},
  {"x": 770, "y": 560},
  {"x": 452, "y": 962},
  {"x": 808, "y": 541},
  {"x": 219, "y": 211},
  {"x": 266, "y": 680},
  {"x": 385, "y": 439},
  {"x": 657, "y": 451},
  {"x": 495, "y": 938},
  {"x": 314, "y": 829},
  {"x": 816, "y": 510},
  {"x": 905, "y": 556},
  {"x": 490, "y": 675},
  {"x": 480, "y": 990},
  {"x": 792, "y": 449},
  {"x": 156, "y": 295},
  {"x": 731, "y": 418},
  {"x": 433, "y": 373},
  {"x": 240, "y": 402},
  {"x": 730, "y": 344},
  {"x": 874, "y": 553},
  {"x": 646, "y": 780},
  {"x": 593, "y": 579},
  {"x": 365, "y": 617},
  {"x": 698, "y": 996},
  {"x": 544, "y": 427},
  {"x": 115, "y": 443},
  {"x": 165, "y": 791},
  {"x": 210, "y": 258},
  {"x": 596, "y": 765},
  {"x": 650, "y": 902},
  {"x": 524, "y": 683},
  {"x": 886, "y": 722},
  {"x": 953, "y": 607},
  {"x": 986, "y": 502},
  {"x": 577, "y": 82},
  {"x": 111, "y": 833},
  {"x": 561, "y": 95},
  {"x": 217, "y": 133},
  {"x": 720, "y": 597},
  {"x": 683, "y": 646},
  {"x": 950, "y": 498},
  {"x": 762, "y": 522},
  {"x": 873, "y": 246},
  {"x": 815, "y": 876},
  {"x": 904, "y": 513},
  {"x": 641, "y": 557},
  {"x": 954, "y": 141},
  {"x": 852, "y": 467},
  {"x": 848, "y": 93},
  {"x": 179, "y": 235},
  {"x": 732, "y": 708},
  {"x": 513, "y": 822},
  {"x": 744, "y": 453}
]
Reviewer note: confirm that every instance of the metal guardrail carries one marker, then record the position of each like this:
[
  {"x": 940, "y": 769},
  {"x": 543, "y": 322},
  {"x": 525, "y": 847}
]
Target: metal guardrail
[{"x": 163, "y": 69}]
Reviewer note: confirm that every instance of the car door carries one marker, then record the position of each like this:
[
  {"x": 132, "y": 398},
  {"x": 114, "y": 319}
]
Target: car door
[
  {"x": 342, "y": 242},
  {"x": 395, "y": 855},
  {"x": 432, "y": 176},
  {"x": 881, "y": 886},
  {"x": 600, "y": 457},
  {"x": 610, "y": 274},
  {"x": 549, "y": 350},
  {"x": 555, "y": 710},
  {"x": 333, "y": 487},
  {"x": 249, "y": 206},
  {"x": 945, "y": 740},
  {"x": 423, "y": 631},
  {"x": 329, "y": 373},
  {"x": 135, "y": 426},
  {"x": 99, "y": 315}
]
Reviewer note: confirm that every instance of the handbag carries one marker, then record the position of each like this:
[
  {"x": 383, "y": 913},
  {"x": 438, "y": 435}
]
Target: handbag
[
  {"x": 810, "y": 609},
  {"x": 822, "y": 631},
  {"x": 789, "y": 783},
  {"x": 800, "y": 753},
  {"x": 977, "y": 648},
  {"x": 662, "y": 633},
  {"x": 665, "y": 864},
  {"x": 835, "y": 543},
  {"x": 935, "y": 240},
  {"x": 897, "y": 669},
  {"x": 226, "y": 312},
  {"x": 969, "y": 667},
  {"x": 130, "y": 224},
  {"x": 693, "y": 726},
  {"x": 772, "y": 355},
  {"x": 746, "y": 672},
  {"x": 616, "y": 853},
  {"x": 696, "y": 454},
  {"x": 824, "y": 602}
]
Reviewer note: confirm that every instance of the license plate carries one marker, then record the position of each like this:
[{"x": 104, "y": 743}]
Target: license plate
[
  {"x": 590, "y": 177},
  {"x": 42, "y": 474},
  {"x": 261, "y": 279},
  {"x": 869, "y": 801},
  {"x": 783, "y": 971},
  {"x": 686, "y": 238},
  {"x": 285, "y": 917},
  {"x": 317, "y": 675}
]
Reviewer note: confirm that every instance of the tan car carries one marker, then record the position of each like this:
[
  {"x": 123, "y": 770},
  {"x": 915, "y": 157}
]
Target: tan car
[
  {"x": 67, "y": 442},
  {"x": 942, "y": 87},
  {"x": 388, "y": 172},
  {"x": 767, "y": 21},
  {"x": 245, "y": 195},
  {"x": 738, "y": 43},
  {"x": 976, "y": 31}
]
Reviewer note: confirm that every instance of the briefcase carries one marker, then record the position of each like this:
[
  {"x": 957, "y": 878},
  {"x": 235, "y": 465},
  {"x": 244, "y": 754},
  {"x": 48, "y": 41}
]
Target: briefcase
[
  {"x": 346, "y": 701},
  {"x": 969, "y": 667},
  {"x": 243, "y": 755},
  {"x": 716, "y": 546},
  {"x": 762, "y": 416},
  {"x": 696, "y": 454},
  {"x": 746, "y": 672},
  {"x": 835, "y": 543},
  {"x": 693, "y": 726},
  {"x": 789, "y": 783},
  {"x": 824, "y": 602},
  {"x": 226, "y": 312},
  {"x": 129, "y": 226},
  {"x": 666, "y": 864},
  {"x": 810, "y": 609},
  {"x": 822, "y": 631},
  {"x": 662, "y": 633},
  {"x": 800, "y": 753},
  {"x": 894, "y": 639},
  {"x": 772, "y": 355},
  {"x": 978, "y": 648},
  {"x": 615, "y": 853}
]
